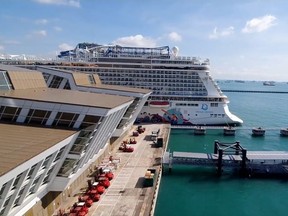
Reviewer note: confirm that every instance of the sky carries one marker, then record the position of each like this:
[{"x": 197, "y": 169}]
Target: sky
[{"x": 244, "y": 40}]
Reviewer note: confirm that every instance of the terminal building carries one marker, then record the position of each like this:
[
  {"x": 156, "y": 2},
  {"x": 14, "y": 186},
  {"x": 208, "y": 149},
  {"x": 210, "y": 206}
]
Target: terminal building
[{"x": 51, "y": 138}]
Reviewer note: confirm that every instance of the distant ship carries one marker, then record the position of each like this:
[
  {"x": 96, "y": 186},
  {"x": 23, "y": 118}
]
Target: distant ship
[
  {"x": 269, "y": 83},
  {"x": 183, "y": 90}
]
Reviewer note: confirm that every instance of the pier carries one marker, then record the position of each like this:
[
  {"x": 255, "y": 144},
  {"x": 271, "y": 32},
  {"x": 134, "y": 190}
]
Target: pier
[{"x": 227, "y": 156}]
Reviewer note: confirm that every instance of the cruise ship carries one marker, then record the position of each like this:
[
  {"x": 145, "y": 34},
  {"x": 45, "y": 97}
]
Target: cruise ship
[{"x": 184, "y": 93}]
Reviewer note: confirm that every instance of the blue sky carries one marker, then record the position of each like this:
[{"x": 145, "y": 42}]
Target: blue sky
[{"x": 244, "y": 39}]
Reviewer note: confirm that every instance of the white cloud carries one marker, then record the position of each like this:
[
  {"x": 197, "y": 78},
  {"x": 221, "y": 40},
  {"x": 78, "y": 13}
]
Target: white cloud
[
  {"x": 57, "y": 28},
  {"x": 137, "y": 40},
  {"x": 1, "y": 48},
  {"x": 222, "y": 33},
  {"x": 41, "y": 33},
  {"x": 174, "y": 36},
  {"x": 41, "y": 21},
  {"x": 65, "y": 46},
  {"x": 259, "y": 24},
  {"x": 72, "y": 3}
]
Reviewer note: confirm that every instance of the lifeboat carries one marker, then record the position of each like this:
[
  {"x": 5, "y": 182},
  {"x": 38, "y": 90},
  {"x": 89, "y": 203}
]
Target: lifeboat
[{"x": 159, "y": 104}]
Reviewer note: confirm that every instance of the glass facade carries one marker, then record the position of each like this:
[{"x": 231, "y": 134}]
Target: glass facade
[{"x": 5, "y": 83}]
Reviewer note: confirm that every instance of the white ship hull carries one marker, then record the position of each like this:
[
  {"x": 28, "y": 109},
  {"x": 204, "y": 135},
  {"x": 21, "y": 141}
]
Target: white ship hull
[{"x": 177, "y": 115}]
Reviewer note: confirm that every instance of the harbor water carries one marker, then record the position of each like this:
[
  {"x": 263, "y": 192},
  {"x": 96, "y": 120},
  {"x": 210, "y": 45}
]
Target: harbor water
[{"x": 199, "y": 192}]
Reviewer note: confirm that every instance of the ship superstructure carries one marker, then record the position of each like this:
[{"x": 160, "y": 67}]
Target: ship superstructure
[{"x": 183, "y": 90}]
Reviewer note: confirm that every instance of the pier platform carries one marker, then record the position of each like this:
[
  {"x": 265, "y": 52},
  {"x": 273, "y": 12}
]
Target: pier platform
[{"x": 232, "y": 156}]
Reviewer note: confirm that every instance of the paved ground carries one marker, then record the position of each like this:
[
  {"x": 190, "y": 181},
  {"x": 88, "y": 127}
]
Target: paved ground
[{"x": 126, "y": 195}]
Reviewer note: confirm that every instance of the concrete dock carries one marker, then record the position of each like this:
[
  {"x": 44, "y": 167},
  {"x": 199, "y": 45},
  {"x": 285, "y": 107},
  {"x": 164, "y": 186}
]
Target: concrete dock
[{"x": 126, "y": 195}]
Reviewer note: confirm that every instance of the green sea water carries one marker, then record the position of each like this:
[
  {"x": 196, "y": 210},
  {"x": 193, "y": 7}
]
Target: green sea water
[{"x": 199, "y": 192}]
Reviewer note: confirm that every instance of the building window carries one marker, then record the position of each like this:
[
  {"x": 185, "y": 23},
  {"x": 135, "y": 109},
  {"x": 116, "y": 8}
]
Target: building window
[
  {"x": 90, "y": 120},
  {"x": 9, "y": 113},
  {"x": 67, "y": 167},
  {"x": 46, "y": 178},
  {"x": 16, "y": 181},
  {"x": 91, "y": 79},
  {"x": 37, "y": 117},
  {"x": 79, "y": 145},
  {"x": 46, "y": 76},
  {"x": 45, "y": 163},
  {"x": 5, "y": 83},
  {"x": 58, "y": 156},
  {"x": 56, "y": 81},
  {"x": 33, "y": 186},
  {"x": 6, "y": 202},
  {"x": 2, "y": 190},
  {"x": 31, "y": 171},
  {"x": 67, "y": 86},
  {"x": 63, "y": 119},
  {"x": 16, "y": 202}
]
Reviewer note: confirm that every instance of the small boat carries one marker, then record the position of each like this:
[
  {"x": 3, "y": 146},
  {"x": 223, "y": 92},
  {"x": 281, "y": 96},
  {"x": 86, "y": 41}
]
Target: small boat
[
  {"x": 284, "y": 132},
  {"x": 199, "y": 130},
  {"x": 258, "y": 131},
  {"x": 269, "y": 83},
  {"x": 229, "y": 131}
]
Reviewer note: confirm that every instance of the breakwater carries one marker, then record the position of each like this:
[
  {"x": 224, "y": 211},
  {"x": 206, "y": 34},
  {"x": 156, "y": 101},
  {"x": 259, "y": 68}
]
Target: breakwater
[{"x": 253, "y": 91}]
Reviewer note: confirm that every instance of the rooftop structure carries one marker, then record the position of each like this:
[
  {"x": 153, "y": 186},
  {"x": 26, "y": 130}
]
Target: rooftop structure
[{"x": 90, "y": 82}]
